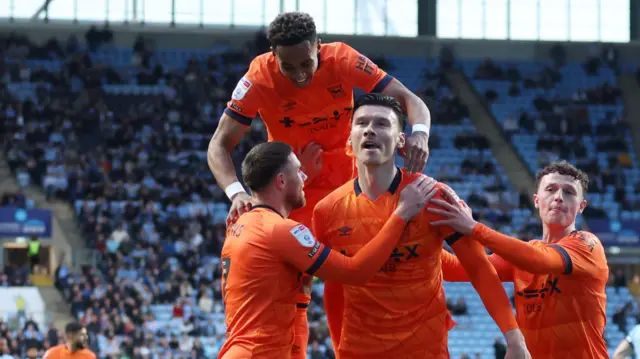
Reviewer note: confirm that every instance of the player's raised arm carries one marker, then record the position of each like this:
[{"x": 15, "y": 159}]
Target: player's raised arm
[
  {"x": 416, "y": 148},
  {"x": 361, "y": 72},
  {"x": 299, "y": 247},
  {"x": 236, "y": 119}
]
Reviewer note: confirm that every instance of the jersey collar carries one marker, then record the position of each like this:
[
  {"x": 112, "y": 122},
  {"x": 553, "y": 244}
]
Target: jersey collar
[
  {"x": 266, "y": 207},
  {"x": 392, "y": 188}
]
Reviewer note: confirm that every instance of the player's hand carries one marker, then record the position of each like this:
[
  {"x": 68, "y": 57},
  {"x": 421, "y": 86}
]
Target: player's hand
[
  {"x": 311, "y": 159},
  {"x": 415, "y": 197},
  {"x": 415, "y": 152},
  {"x": 516, "y": 345},
  {"x": 456, "y": 214},
  {"x": 240, "y": 203}
]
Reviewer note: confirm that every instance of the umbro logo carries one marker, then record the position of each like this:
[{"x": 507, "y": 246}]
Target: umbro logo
[{"x": 345, "y": 231}]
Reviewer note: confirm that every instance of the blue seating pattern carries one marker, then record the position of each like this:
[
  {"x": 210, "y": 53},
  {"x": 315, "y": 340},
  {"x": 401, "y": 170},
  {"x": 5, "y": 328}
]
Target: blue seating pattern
[{"x": 475, "y": 333}]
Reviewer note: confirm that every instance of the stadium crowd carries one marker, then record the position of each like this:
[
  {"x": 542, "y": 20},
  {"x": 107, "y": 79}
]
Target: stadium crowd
[{"x": 133, "y": 166}]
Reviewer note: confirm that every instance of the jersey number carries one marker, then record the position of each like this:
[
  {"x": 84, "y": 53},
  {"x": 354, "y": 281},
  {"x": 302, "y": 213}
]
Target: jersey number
[{"x": 226, "y": 264}]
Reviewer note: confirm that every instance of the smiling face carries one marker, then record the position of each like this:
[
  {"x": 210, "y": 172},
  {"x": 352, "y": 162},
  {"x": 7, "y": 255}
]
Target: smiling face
[
  {"x": 375, "y": 135},
  {"x": 298, "y": 62},
  {"x": 559, "y": 199}
]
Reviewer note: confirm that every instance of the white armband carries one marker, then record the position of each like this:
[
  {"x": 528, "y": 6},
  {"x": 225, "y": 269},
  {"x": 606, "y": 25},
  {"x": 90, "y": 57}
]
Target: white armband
[
  {"x": 233, "y": 189},
  {"x": 419, "y": 127}
]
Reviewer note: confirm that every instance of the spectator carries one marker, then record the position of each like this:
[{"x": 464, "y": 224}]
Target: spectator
[
  {"x": 205, "y": 304},
  {"x": 499, "y": 348}
]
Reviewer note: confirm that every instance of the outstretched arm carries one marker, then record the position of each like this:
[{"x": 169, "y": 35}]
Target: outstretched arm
[
  {"x": 453, "y": 271},
  {"x": 533, "y": 259}
]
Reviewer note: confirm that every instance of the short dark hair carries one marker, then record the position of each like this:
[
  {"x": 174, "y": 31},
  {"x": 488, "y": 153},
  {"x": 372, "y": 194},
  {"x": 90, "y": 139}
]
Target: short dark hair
[
  {"x": 379, "y": 99},
  {"x": 567, "y": 169},
  {"x": 73, "y": 328},
  {"x": 291, "y": 28},
  {"x": 263, "y": 162}
]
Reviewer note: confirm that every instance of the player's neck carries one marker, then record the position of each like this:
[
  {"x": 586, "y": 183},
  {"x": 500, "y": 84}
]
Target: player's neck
[
  {"x": 273, "y": 202},
  {"x": 71, "y": 347},
  {"x": 552, "y": 234},
  {"x": 374, "y": 181}
]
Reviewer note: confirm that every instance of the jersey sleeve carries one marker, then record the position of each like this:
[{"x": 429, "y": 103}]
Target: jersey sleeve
[
  {"x": 484, "y": 278},
  {"x": 453, "y": 271},
  {"x": 297, "y": 246},
  {"x": 246, "y": 98},
  {"x": 581, "y": 252},
  {"x": 295, "y": 243},
  {"x": 535, "y": 259},
  {"x": 361, "y": 72}
]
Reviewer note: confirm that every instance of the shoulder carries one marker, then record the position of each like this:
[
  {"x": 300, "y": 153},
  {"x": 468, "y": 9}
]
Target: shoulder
[
  {"x": 88, "y": 353},
  {"x": 333, "y": 199},
  {"x": 336, "y": 48},
  {"x": 260, "y": 73},
  {"x": 583, "y": 237},
  {"x": 292, "y": 229}
]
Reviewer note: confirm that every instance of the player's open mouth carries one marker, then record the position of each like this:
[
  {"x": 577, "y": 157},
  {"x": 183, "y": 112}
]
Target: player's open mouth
[{"x": 370, "y": 145}]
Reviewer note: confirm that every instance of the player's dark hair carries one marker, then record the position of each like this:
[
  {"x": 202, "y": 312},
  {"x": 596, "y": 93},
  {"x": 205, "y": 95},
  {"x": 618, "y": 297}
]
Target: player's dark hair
[
  {"x": 263, "y": 162},
  {"x": 73, "y": 328},
  {"x": 567, "y": 169},
  {"x": 291, "y": 28},
  {"x": 379, "y": 99}
]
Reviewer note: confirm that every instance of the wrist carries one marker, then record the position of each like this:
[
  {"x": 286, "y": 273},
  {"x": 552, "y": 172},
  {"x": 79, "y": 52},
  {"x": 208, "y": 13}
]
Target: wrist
[
  {"x": 234, "y": 189},
  {"x": 420, "y": 128},
  {"x": 514, "y": 337},
  {"x": 469, "y": 231}
]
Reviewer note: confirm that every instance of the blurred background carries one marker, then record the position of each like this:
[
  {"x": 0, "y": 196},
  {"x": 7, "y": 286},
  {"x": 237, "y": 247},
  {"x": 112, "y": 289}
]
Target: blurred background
[{"x": 109, "y": 214}]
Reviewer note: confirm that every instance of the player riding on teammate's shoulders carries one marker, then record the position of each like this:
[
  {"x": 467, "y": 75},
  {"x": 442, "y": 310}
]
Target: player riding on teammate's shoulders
[{"x": 303, "y": 91}]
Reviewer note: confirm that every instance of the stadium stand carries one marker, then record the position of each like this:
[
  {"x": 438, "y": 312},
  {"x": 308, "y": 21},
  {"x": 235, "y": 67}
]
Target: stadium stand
[{"x": 121, "y": 134}]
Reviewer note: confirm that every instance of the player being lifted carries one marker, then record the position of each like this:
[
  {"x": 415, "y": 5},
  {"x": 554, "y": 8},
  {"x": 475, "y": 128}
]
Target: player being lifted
[
  {"x": 75, "y": 347},
  {"x": 303, "y": 91},
  {"x": 264, "y": 254},
  {"x": 559, "y": 280},
  {"x": 401, "y": 312}
]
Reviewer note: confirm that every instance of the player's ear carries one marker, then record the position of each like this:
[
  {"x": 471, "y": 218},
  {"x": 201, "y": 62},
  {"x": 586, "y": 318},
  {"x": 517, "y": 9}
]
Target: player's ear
[
  {"x": 280, "y": 181},
  {"x": 401, "y": 140},
  {"x": 535, "y": 201},
  {"x": 583, "y": 205}
]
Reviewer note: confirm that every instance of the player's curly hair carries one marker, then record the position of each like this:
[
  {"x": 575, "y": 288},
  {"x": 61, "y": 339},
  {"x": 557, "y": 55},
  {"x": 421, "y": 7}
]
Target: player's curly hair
[
  {"x": 385, "y": 101},
  {"x": 291, "y": 28},
  {"x": 564, "y": 168},
  {"x": 263, "y": 163}
]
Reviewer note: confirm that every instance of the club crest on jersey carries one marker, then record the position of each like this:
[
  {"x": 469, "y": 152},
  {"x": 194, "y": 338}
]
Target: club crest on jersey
[
  {"x": 241, "y": 89},
  {"x": 303, "y": 235}
]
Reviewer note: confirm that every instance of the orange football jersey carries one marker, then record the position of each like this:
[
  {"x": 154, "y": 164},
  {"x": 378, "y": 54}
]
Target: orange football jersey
[
  {"x": 401, "y": 312},
  {"x": 62, "y": 352},
  {"x": 320, "y": 112},
  {"x": 404, "y": 303},
  {"x": 263, "y": 260},
  {"x": 561, "y": 314}
]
